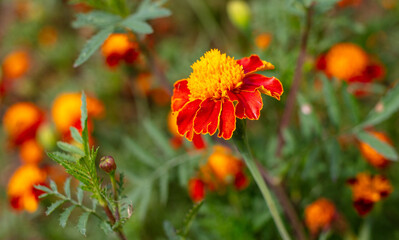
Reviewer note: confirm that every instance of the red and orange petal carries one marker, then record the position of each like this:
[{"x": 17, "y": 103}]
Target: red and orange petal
[
  {"x": 31, "y": 152},
  {"x": 48, "y": 36},
  {"x": 262, "y": 41},
  {"x": 371, "y": 155},
  {"x": 21, "y": 121},
  {"x": 319, "y": 215},
  {"x": 118, "y": 47},
  {"x": 196, "y": 188},
  {"x": 21, "y": 191},
  {"x": 241, "y": 181},
  {"x": 224, "y": 165},
  {"x": 347, "y": 3},
  {"x": 15, "y": 65}
]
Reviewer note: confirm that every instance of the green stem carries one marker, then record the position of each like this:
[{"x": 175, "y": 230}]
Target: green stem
[
  {"x": 115, "y": 190},
  {"x": 240, "y": 140}
]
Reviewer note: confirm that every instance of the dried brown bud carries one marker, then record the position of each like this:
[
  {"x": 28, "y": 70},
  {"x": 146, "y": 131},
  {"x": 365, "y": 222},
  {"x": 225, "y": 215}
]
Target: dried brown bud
[{"x": 107, "y": 163}]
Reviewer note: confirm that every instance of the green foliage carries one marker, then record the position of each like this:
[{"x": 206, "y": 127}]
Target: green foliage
[{"x": 381, "y": 147}]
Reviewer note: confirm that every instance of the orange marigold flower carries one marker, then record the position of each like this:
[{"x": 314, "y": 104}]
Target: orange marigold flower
[
  {"x": 371, "y": 155},
  {"x": 21, "y": 191},
  {"x": 21, "y": 121},
  {"x": 220, "y": 89},
  {"x": 66, "y": 111},
  {"x": 368, "y": 190},
  {"x": 31, "y": 152},
  {"x": 224, "y": 164},
  {"x": 346, "y": 3},
  {"x": 346, "y": 60},
  {"x": 196, "y": 189},
  {"x": 48, "y": 36},
  {"x": 119, "y": 46},
  {"x": 319, "y": 215},
  {"x": 262, "y": 41},
  {"x": 15, "y": 65}
]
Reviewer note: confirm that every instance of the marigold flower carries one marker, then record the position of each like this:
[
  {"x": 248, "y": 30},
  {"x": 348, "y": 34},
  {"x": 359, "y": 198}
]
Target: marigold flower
[
  {"x": 21, "y": 121},
  {"x": 368, "y": 190},
  {"x": 220, "y": 89},
  {"x": 319, "y": 215},
  {"x": 346, "y": 60},
  {"x": 262, "y": 41},
  {"x": 48, "y": 36},
  {"x": 346, "y": 3},
  {"x": 224, "y": 164},
  {"x": 66, "y": 111},
  {"x": 117, "y": 47},
  {"x": 160, "y": 96},
  {"x": 15, "y": 65},
  {"x": 31, "y": 152},
  {"x": 143, "y": 83},
  {"x": 196, "y": 189},
  {"x": 371, "y": 155},
  {"x": 21, "y": 191}
]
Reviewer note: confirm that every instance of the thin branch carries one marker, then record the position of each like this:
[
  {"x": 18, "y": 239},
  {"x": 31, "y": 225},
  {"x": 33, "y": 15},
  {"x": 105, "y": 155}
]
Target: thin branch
[{"x": 296, "y": 81}]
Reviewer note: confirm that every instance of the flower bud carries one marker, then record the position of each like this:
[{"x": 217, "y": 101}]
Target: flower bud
[
  {"x": 239, "y": 13},
  {"x": 107, "y": 163}
]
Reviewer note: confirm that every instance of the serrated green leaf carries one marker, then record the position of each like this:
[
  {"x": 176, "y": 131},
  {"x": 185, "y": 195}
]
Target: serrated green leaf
[
  {"x": 67, "y": 187},
  {"x": 53, "y": 186},
  {"x": 82, "y": 222},
  {"x": 43, "y": 188},
  {"x": 94, "y": 204},
  {"x": 192, "y": 213},
  {"x": 331, "y": 100},
  {"x": 151, "y": 10},
  {"x": 83, "y": 120},
  {"x": 381, "y": 147},
  {"x": 137, "y": 25},
  {"x": 70, "y": 148},
  {"x": 106, "y": 227},
  {"x": 334, "y": 155},
  {"x": 92, "y": 45},
  {"x": 163, "y": 187},
  {"x": 388, "y": 105},
  {"x": 54, "y": 206},
  {"x": 76, "y": 135},
  {"x": 83, "y": 111},
  {"x": 79, "y": 194},
  {"x": 65, "y": 215},
  {"x": 61, "y": 157},
  {"x": 98, "y": 19}
]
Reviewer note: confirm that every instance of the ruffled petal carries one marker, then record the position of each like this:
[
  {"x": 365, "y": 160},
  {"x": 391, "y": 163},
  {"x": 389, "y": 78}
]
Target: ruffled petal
[
  {"x": 254, "y": 63},
  {"x": 185, "y": 118},
  {"x": 227, "y": 123},
  {"x": 207, "y": 119},
  {"x": 269, "y": 86},
  {"x": 249, "y": 104},
  {"x": 198, "y": 142},
  {"x": 180, "y": 95}
]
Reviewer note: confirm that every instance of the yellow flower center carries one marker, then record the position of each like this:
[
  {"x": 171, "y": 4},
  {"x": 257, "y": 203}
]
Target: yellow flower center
[{"x": 213, "y": 75}]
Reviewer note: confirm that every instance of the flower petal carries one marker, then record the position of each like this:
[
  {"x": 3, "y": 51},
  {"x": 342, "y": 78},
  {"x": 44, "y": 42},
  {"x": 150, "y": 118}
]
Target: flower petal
[
  {"x": 227, "y": 123},
  {"x": 249, "y": 104},
  {"x": 185, "y": 118},
  {"x": 253, "y": 63},
  {"x": 207, "y": 119},
  {"x": 269, "y": 86},
  {"x": 180, "y": 95},
  {"x": 198, "y": 142}
]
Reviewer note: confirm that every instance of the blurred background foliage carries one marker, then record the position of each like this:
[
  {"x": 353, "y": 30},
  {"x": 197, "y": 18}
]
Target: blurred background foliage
[{"x": 321, "y": 144}]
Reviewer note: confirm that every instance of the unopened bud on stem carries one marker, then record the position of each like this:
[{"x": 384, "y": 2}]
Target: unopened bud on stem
[{"x": 107, "y": 163}]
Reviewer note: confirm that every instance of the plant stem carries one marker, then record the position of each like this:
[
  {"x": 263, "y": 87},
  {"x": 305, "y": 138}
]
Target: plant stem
[
  {"x": 240, "y": 140},
  {"x": 111, "y": 218},
  {"x": 291, "y": 100},
  {"x": 113, "y": 183}
]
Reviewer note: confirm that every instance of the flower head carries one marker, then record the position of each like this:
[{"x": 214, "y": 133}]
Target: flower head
[
  {"x": 31, "y": 152},
  {"x": 371, "y": 155},
  {"x": 262, "y": 41},
  {"x": 368, "y": 190},
  {"x": 66, "y": 111},
  {"x": 196, "y": 189},
  {"x": 119, "y": 46},
  {"x": 21, "y": 191},
  {"x": 319, "y": 215},
  {"x": 21, "y": 121},
  {"x": 346, "y": 3},
  {"x": 220, "y": 89},
  {"x": 15, "y": 64}
]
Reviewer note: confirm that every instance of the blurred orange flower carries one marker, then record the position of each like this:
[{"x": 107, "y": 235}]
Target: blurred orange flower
[
  {"x": 196, "y": 189},
  {"x": 31, "y": 152},
  {"x": 21, "y": 121},
  {"x": 143, "y": 83},
  {"x": 48, "y": 36},
  {"x": 262, "y": 41},
  {"x": 15, "y": 65},
  {"x": 319, "y": 215},
  {"x": 346, "y": 3},
  {"x": 66, "y": 112},
  {"x": 368, "y": 190},
  {"x": 220, "y": 89},
  {"x": 120, "y": 46},
  {"x": 371, "y": 155},
  {"x": 21, "y": 191}
]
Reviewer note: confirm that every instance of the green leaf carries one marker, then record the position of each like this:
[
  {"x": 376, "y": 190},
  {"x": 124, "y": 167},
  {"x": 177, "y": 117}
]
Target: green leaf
[
  {"x": 92, "y": 45},
  {"x": 82, "y": 222},
  {"x": 192, "y": 213},
  {"x": 139, "y": 153},
  {"x": 106, "y": 227},
  {"x": 163, "y": 187},
  {"x": 137, "y": 25},
  {"x": 70, "y": 148},
  {"x": 65, "y": 215},
  {"x": 44, "y": 189},
  {"x": 53, "y": 186},
  {"x": 98, "y": 19},
  {"x": 381, "y": 147},
  {"x": 334, "y": 156},
  {"x": 67, "y": 187},
  {"x": 169, "y": 230},
  {"x": 83, "y": 121},
  {"x": 351, "y": 104},
  {"x": 76, "y": 135},
  {"x": 388, "y": 105},
  {"x": 151, "y": 10},
  {"x": 54, "y": 206},
  {"x": 61, "y": 157},
  {"x": 158, "y": 137},
  {"x": 79, "y": 194},
  {"x": 145, "y": 200},
  {"x": 331, "y": 100}
]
